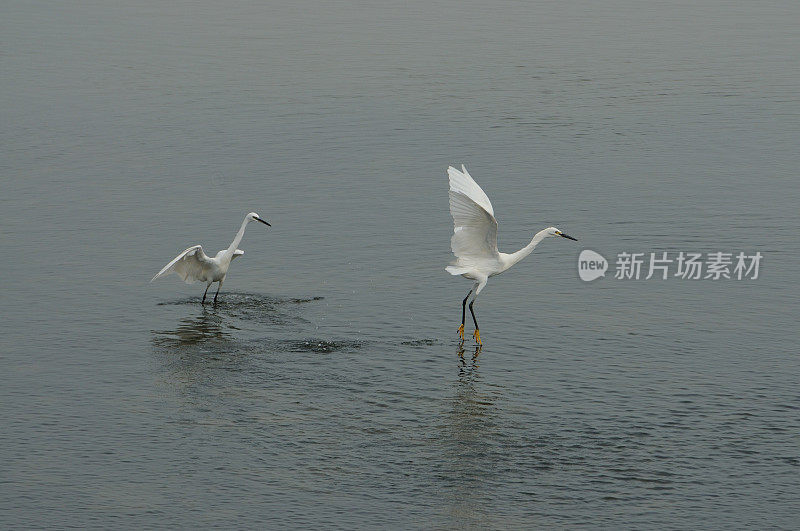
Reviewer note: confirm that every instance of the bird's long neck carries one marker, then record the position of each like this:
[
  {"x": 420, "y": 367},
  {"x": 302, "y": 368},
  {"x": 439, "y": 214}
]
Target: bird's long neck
[
  {"x": 513, "y": 258},
  {"x": 238, "y": 238}
]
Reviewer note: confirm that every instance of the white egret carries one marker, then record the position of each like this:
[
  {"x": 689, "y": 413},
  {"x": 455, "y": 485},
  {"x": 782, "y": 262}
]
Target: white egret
[
  {"x": 193, "y": 264},
  {"x": 474, "y": 240}
]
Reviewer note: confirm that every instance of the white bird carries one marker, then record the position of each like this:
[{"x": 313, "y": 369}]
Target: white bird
[
  {"x": 474, "y": 240},
  {"x": 193, "y": 264}
]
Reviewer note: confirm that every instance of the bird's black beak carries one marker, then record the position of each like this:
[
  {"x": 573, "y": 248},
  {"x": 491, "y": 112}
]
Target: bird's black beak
[
  {"x": 567, "y": 236},
  {"x": 264, "y": 222}
]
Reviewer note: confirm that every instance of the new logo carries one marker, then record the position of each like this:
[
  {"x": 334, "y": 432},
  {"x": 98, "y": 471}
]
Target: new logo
[{"x": 591, "y": 265}]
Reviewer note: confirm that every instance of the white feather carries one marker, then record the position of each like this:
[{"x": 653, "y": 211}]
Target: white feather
[
  {"x": 461, "y": 181},
  {"x": 192, "y": 264},
  {"x": 474, "y": 240}
]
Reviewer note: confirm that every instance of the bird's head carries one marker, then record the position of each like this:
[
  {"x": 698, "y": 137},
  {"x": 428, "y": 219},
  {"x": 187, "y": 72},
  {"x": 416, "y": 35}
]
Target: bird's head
[
  {"x": 552, "y": 231},
  {"x": 252, "y": 216}
]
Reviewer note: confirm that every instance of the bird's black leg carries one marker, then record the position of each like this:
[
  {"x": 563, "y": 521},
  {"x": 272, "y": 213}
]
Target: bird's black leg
[
  {"x": 204, "y": 294},
  {"x": 476, "y": 334},
  {"x": 463, "y": 315},
  {"x": 464, "y": 308},
  {"x": 473, "y": 314},
  {"x": 217, "y": 293}
]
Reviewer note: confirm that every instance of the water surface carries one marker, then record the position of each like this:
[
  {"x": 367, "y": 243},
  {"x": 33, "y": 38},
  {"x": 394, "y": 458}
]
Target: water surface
[{"x": 327, "y": 388}]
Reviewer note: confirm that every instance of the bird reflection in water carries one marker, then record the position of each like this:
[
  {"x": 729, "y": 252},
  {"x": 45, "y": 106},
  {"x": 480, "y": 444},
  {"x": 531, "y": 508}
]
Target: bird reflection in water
[
  {"x": 209, "y": 325},
  {"x": 471, "y": 404},
  {"x": 197, "y": 359},
  {"x": 468, "y": 442}
]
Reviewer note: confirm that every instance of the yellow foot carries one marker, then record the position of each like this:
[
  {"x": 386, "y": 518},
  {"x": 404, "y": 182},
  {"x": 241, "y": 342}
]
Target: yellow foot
[
  {"x": 461, "y": 332},
  {"x": 477, "y": 336}
]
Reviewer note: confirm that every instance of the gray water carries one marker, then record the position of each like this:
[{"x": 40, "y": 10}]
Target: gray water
[{"x": 327, "y": 388}]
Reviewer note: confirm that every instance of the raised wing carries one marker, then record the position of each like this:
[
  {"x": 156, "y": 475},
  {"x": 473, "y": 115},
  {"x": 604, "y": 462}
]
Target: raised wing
[
  {"x": 189, "y": 265},
  {"x": 462, "y": 182},
  {"x": 474, "y": 239}
]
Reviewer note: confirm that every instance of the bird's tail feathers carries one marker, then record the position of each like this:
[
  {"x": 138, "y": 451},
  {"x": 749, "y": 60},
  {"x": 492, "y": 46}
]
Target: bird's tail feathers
[{"x": 456, "y": 270}]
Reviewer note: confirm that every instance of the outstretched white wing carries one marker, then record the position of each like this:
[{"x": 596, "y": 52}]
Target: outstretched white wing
[
  {"x": 474, "y": 238},
  {"x": 190, "y": 265},
  {"x": 461, "y": 181}
]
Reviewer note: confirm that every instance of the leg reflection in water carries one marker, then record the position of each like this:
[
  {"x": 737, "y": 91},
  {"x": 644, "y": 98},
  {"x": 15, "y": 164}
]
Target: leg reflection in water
[{"x": 465, "y": 366}]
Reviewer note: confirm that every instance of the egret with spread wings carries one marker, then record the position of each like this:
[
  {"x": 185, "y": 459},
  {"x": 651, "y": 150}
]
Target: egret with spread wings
[
  {"x": 474, "y": 240},
  {"x": 193, "y": 264}
]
